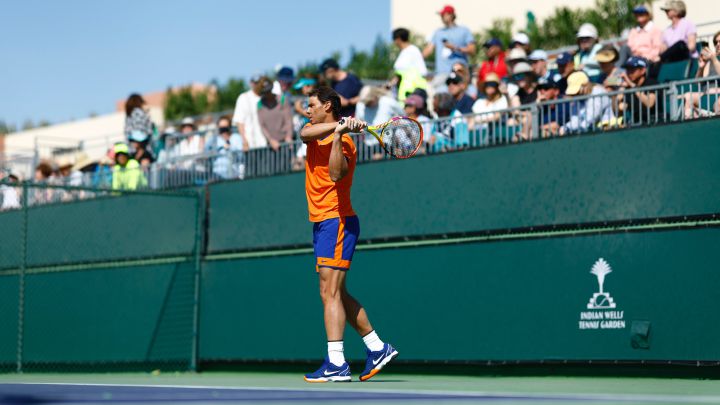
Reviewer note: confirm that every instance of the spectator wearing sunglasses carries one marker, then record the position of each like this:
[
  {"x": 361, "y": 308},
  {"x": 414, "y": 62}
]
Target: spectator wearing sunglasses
[{"x": 228, "y": 148}]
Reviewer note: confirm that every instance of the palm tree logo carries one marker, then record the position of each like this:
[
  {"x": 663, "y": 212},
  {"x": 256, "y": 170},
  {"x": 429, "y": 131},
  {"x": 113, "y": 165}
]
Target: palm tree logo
[{"x": 601, "y": 299}]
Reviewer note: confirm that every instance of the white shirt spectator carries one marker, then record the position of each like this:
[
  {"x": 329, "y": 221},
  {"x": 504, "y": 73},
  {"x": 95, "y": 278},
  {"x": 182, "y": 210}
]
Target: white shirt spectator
[
  {"x": 246, "y": 109},
  {"x": 484, "y": 105},
  {"x": 410, "y": 58},
  {"x": 10, "y": 198},
  {"x": 386, "y": 108},
  {"x": 590, "y": 112}
]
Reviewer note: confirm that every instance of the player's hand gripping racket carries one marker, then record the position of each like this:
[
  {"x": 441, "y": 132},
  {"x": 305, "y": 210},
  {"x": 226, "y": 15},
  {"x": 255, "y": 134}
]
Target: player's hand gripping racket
[{"x": 401, "y": 137}]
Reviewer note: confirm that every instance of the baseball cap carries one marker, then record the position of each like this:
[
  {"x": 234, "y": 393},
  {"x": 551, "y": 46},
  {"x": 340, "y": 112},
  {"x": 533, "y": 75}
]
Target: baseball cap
[
  {"x": 564, "y": 58},
  {"x": 328, "y": 63},
  {"x": 548, "y": 83},
  {"x": 517, "y": 54},
  {"x": 575, "y": 82},
  {"x": 454, "y": 78},
  {"x": 521, "y": 68},
  {"x": 285, "y": 74},
  {"x": 538, "y": 54},
  {"x": 492, "y": 42},
  {"x": 188, "y": 121},
  {"x": 636, "y": 62},
  {"x": 641, "y": 9},
  {"x": 304, "y": 81},
  {"x": 520, "y": 38},
  {"x": 587, "y": 30},
  {"x": 448, "y": 9},
  {"x": 121, "y": 148},
  {"x": 415, "y": 100}
]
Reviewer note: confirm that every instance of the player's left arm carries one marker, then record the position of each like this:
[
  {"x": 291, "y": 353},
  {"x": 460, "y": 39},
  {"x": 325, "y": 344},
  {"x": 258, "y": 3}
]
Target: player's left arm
[{"x": 317, "y": 131}]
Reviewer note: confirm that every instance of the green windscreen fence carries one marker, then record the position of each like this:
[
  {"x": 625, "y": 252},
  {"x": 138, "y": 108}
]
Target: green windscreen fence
[
  {"x": 624, "y": 175},
  {"x": 99, "y": 280}
]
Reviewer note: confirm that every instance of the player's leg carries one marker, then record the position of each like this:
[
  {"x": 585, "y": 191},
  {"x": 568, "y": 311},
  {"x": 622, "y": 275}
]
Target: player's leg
[
  {"x": 331, "y": 279},
  {"x": 355, "y": 313}
]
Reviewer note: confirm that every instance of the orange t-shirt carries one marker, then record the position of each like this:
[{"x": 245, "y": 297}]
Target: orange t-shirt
[{"x": 327, "y": 199}]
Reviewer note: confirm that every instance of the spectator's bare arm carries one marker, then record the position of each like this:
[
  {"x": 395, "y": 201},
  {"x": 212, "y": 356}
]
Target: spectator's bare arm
[
  {"x": 241, "y": 131},
  {"x": 428, "y": 50}
]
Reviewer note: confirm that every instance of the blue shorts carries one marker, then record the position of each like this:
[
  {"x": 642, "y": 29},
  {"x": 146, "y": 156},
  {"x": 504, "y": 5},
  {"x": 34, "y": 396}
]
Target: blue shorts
[{"x": 334, "y": 242}]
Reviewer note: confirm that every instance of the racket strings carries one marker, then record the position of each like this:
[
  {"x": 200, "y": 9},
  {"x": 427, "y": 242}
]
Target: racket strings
[{"x": 402, "y": 137}]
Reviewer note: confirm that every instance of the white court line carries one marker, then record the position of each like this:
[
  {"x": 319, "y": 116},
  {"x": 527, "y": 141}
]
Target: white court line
[{"x": 697, "y": 399}]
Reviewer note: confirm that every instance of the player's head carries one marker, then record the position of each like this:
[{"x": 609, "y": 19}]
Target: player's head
[{"x": 323, "y": 105}]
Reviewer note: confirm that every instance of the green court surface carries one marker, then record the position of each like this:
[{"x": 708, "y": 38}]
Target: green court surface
[{"x": 282, "y": 388}]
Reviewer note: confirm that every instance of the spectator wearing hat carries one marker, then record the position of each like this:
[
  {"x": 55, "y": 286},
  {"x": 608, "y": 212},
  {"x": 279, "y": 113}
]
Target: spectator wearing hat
[
  {"x": 589, "y": 113},
  {"x": 461, "y": 69},
  {"x": 410, "y": 56},
  {"x": 275, "y": 118},
  {"x": 521, "y": 40},
  {"x": 494, "y": 61},
  {"x": 607, "y": 58},
  {"x": 137, "y": 117},
  {"x": 566, "y": 66},
  {"x": 415, "y": 109},
  {"x": 492, "y": 101},
  {"x": 190, "y": 142},
  {"x": 245, "y": 116},
  {"x": 552, "y": 115},
  {"x": 283, "y": 83},
  {"x": 305, "y": 85},
  {"x": 645, "y": 40},
  {"x": 443, "y": 133},
  {"x": 456, "y": 87},
  {"x": 588, "y": 47},
  {"x": 526, "y": 80},
  {"x": 515, "y": 56},
  {"x": 679, "y": 39},
  {"x": 227, "y": 148},
  {"x": 346, "y": 84},
  {"x": 127, "y": 173},
  {"x": 538, "y": 60},
  {"x": 450, "y": 43},
  {"x": 643, "y": 107}
]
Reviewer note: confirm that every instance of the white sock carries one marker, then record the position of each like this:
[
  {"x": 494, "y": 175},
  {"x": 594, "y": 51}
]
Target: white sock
[
  {"x": 373, "y": 342},
  {"x": 336, "y": 353}
]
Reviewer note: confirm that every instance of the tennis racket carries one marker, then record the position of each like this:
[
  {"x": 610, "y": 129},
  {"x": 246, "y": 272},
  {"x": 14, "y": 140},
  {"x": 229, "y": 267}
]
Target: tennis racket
[{"x": 400, "y": 137}]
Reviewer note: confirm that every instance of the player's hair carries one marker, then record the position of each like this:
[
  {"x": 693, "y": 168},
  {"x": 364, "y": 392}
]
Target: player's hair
[
  {"x": 326, "y": 94},
  {"x": 134, "y": 101},
  {"x": 401, "y": 34}
]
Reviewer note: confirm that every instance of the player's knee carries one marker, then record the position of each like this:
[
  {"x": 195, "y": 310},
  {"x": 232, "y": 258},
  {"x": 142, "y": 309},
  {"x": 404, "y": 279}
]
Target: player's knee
[{"x": 330, "y": 293}]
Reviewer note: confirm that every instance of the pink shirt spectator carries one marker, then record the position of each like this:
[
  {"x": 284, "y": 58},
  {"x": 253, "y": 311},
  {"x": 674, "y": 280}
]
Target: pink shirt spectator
[
  {"x": 646, "y": 41},
  {"x": 680, "y": 32}
]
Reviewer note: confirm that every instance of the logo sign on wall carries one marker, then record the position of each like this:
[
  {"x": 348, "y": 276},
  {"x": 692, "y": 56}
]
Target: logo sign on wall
[{"x": 602, "y": 309}]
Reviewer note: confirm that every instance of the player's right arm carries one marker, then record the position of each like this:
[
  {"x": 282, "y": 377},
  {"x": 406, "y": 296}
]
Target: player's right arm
[{"x": 317, "y": 131}]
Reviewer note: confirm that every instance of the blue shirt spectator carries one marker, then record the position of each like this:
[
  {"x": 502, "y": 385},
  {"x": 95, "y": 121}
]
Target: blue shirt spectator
[
  {"x": 346, "y": 84},
  {"x": 228, "y": 149},
  {"x": 456, "y": 87},
  {"x": 452, "y": 43}
]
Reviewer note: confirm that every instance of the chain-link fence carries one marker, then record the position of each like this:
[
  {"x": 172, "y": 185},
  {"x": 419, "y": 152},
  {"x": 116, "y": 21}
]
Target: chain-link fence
[{"x": 98, "y": 279}]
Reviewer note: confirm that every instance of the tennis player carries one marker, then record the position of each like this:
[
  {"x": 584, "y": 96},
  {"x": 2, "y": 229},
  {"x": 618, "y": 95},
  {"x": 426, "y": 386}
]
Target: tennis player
[{"x": 329, "y": 168}]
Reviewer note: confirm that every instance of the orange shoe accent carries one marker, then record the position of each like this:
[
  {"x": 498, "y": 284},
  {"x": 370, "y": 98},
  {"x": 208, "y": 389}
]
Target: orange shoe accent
[
  {"x": 312, "y": 382},
  {"x": 371, "y": 375}
]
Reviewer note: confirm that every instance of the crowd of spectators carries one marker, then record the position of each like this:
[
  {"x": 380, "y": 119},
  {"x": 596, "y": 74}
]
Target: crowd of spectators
[{"x": 525, "y": 92}]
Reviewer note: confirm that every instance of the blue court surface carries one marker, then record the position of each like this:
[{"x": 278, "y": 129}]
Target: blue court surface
[{"x": 271, "y": 388}]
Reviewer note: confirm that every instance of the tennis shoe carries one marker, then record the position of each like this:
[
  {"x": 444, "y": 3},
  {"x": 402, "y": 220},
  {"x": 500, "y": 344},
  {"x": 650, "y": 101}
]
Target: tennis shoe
[
  {"x": 377, "y": 360},
  {"x": 329, "y": 372}
]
